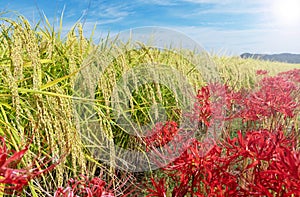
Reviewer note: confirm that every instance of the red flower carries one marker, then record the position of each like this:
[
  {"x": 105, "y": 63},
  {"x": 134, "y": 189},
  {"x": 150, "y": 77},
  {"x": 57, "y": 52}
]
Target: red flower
[
  {"x": 161, "y": 134},
  {"x": 261, "y": 72},
  {"x": 82, "y": 186},
  {"x": 16, "y": 179},
  {"x": 292, "y": 75},
  {"x": 275, "y": 95},
  {"x": 94, "y": 187},
  {"x": 159, "y": 188},
  {"x": 256, "y": 162},
  {"x": 202, "y": 107},
  {"x": 272, "y": 165},
  {"x": 261, "y": 163}
]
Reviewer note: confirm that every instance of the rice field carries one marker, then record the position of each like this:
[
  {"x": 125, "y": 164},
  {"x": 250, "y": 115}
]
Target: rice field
[{"x": 46, "y": 102}]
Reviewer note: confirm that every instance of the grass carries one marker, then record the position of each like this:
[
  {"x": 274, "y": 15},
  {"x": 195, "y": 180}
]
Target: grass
[{"x": 41, "y": 71}]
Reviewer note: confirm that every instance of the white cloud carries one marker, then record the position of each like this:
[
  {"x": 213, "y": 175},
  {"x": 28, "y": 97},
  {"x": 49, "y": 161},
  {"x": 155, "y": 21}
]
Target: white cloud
[
  {"x": 208, "y": 1},
  {"x": 224, "y": 7},
  {"x": 102, "y": 9},
  {"x": 230, "y": 42},
  {"x": 223, "y": 2},
  {"x": 158, "y": 2},
  {"x": 112, "y": 11},
  {"x": 227, "y": 42},
  {"x": 238, "y": 41}
]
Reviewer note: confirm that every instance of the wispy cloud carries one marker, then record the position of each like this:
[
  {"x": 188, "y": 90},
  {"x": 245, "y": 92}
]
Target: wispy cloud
[
  {"x": 158, "y": 2},
  {"x": 221, "y": 7},
  {"x": 111, "y": 11},
  {"x": 223, "y": 2}
]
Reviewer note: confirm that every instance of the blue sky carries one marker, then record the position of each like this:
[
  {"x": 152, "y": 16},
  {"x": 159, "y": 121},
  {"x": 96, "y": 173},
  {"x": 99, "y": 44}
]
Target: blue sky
[{"x": 220, "y": 26}]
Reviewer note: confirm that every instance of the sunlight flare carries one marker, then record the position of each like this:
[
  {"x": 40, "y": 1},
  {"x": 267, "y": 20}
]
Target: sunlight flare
[{"x": 286, "y": 12}]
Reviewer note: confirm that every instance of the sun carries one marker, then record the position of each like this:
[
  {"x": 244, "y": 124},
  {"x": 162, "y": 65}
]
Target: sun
[{"x": 286, "y": 12}]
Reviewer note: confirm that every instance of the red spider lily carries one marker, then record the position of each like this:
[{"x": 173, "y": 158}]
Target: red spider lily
[
  {"x": 274, "y": 96},
  {"x": 261, "y": 163},
  {"x": 258, "y": 163},
  {"x": 16, "y": 179},
  {"x": 95, "y": 187},
  {"x": 213, "y": 102},
  {"x": 260, "y": 145},
  {"x": 219, "y": 100},
  {"x": 202, "y": 107},
  {"x": 161, "y": 134},
  {"x": 210, "y": 104},
  {"x": 287, "y": 167},
  {"x": 159, "y": 188},
  {"x": 84, "y": 187},
  {"x": 293, "y": 75},
  {"x": 272, "y": 165},
  {"x": 261, "y": 72},
  {"x": 197, "y": 174}
]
